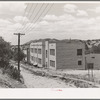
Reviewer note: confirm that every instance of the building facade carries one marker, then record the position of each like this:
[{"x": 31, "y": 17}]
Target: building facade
[
  {"x": 93, "y": 58},
  {"x": 58, "y": 54},
  {"x": 26, "y": 51},
  {"x": 37, "y": 55},
  {"x": 65, "y": 55}
]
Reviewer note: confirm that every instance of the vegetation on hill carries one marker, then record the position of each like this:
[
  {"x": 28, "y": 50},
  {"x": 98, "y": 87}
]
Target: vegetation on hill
[{"x": 6, "y": 54}]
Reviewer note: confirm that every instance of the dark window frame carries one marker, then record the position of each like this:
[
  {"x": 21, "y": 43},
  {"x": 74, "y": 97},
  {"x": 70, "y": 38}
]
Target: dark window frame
[
  {"x": 52, "y": 52},
  {"x": 80, "y": 62},
  {"x": 46, "y": 53},
  {"x": 39, "y": 51},
  {"x": 52, "y": 63},
  {"x": 39, "y": 61},
  {"x": 79, "y": 52}
]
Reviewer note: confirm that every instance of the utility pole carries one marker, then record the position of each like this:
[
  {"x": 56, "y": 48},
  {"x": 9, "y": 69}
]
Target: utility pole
[{"x": 19, "y": 34}]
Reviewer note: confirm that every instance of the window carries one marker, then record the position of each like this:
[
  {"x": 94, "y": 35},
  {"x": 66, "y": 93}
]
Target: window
[
  {"x": 79, "y": 62},
  {"x": 32, "y": 58},
  {"x": 52, "y": 52},
  {"x": 39, "y": 51},
  {"x": 39, "y": 60},
  {"x": 46, "y": 53},
  {"x": 52, "y": 63},
  {"x": 35, "y": 50},
  {"x": 32, "y": 50},
  {"x": 79, "y": 52}
]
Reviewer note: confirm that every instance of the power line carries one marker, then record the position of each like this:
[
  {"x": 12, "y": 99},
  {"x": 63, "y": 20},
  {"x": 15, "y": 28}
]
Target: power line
[
  {"x": 41, "y": 19},
  {"x": 39, "y": 16},
  {"x": 30, "y": 12},
  {"x": 23, "y": 15},
  {"x": 35, "y": 16}
]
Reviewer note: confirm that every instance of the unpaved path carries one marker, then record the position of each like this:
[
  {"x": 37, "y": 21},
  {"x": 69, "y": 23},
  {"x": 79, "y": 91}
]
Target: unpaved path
[{"x": 34, "y": 81}]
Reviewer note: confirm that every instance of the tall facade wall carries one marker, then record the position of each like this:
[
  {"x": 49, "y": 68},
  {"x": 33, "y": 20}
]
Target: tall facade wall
[
  {"x": 46, "y": 54},
  {"x": 67, "y": 57},
  {"x": 52, "y": 56},
  {"x": 57, "y": 55},
  {"x": 95, "y": 59},
  {"x": 37, "y": 53}
]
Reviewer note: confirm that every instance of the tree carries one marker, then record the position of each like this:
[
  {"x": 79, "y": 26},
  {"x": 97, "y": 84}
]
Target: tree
[
  {"x": 5, "y": 53},
  {"x": 96, "y": 49},
  {"x": 15, "y": 56}
]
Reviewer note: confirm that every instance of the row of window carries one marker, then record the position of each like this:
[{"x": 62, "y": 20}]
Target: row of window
[
  {"x": 34, "y": 50},
  {"x": 52, "y": 63},
  {"x": 52, "y": 51},
  {"x": 35, "y": 59},
  {"x": 79, "y": 52}
]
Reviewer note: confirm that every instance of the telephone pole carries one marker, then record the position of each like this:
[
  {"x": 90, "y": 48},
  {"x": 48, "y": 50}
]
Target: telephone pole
[{"x": 19, "y": 34}]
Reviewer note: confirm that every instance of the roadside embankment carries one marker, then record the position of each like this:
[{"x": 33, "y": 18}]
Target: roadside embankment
[
  {"x": 72, "y": 80},
  {"x": 7, "y": 82}
]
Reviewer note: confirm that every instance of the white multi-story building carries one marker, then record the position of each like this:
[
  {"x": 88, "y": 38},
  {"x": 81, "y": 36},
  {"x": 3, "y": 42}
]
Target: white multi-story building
[
  {"x": 37, "y": 53},
  {"x": 58, "y": 54}
]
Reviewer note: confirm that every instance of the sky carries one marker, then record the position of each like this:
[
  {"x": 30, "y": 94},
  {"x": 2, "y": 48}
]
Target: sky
[{"x": 48, "y": 20}]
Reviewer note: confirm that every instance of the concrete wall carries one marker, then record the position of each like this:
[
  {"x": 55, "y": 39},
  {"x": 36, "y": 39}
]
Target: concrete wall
[
  {"x": 47, "y": 58},
  {"x": 31, "y": 53},
  {"x": 37, "y": 56},
  {"x": 52, "y": 57},
  {"x": 28, "y": 55},
  {"x": 67, "y": 55},
  {"x": 95, "y": 59}
]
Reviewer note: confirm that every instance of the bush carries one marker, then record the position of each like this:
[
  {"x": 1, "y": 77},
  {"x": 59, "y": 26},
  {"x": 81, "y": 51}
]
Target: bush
[
  {"x": 15, "y": 55},
  {"x": 13, "y": 72},
  {"x": 5, "y": 53}
]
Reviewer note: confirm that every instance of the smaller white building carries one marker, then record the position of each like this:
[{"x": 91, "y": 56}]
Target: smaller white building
[{"x": 95, "y": 59}]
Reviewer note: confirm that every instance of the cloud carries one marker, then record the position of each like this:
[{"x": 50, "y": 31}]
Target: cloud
[
  {"x": 70, "y": 8},
  {"x": 11, "y": 9},
  {"x": 66, "y": 26},
  {"x": 4, "y": 23},
  {"x": 96, "y": 10},
  {"x": 50, "y": 18},
  {"x": 44, "y": 23},
  {"x": 20, "y": 19},
  {"x": 82, "y": 13}
]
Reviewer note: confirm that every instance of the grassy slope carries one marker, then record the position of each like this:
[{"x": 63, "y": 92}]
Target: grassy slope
[{"x": 7, "y": 82}]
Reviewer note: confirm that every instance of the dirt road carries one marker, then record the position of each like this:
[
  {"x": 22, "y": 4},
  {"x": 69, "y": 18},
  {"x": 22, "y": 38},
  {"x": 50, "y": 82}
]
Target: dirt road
[{"x": 34, "y": 81}]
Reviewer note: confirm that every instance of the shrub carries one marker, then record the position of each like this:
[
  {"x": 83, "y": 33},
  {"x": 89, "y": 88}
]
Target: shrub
[
  {"x": 15, "y": 55},
  {"x": 12, "y": 71}
]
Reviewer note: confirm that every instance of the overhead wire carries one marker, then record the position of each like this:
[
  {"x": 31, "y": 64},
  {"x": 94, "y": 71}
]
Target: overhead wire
[
  {"x": 25, "y": 16},
  {"x": 29, "y": 16},
  {"x": 34, "y": 17},
  {"x": 22, "y": 15},
  {"x": 37, "y": 18},
  {"x": 41, "y": 19}
]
